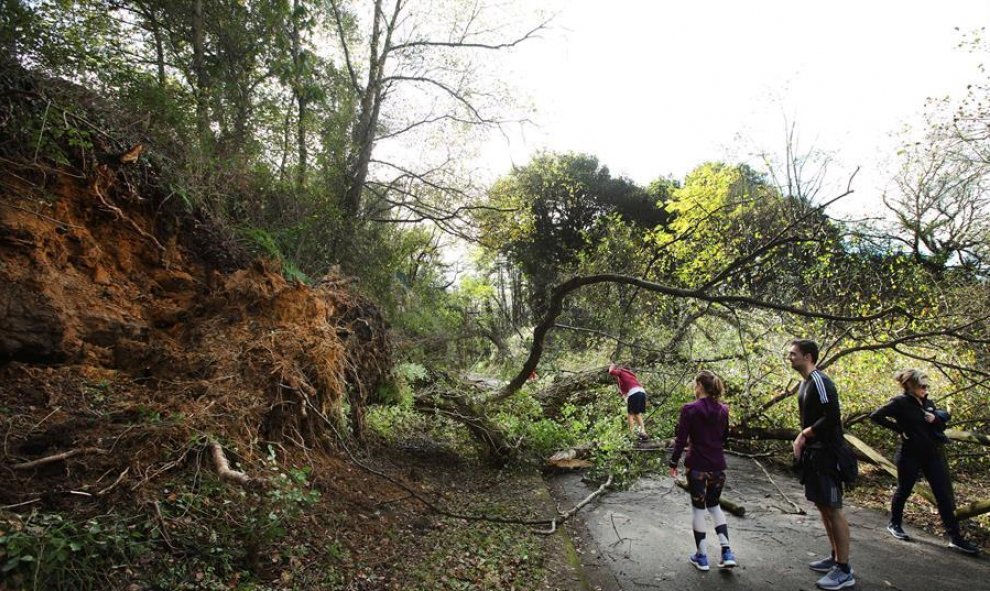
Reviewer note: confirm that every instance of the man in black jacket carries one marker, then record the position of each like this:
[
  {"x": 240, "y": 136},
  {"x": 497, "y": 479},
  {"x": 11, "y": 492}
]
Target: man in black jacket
[
  {"x": 914, "y": 417},
  {"x": 815, "y": 446}
]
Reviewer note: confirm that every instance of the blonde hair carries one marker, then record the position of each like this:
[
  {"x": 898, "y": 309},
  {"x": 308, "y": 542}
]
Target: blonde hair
[
  {"x": 710, "y": 383},
  {"x": 910, "y": 377}
]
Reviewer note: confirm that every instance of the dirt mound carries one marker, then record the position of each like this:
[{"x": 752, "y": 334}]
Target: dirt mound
[{"x": 132, "y": 332}]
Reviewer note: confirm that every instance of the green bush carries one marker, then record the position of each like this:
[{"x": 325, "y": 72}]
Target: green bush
[{"x": 52, "y": 551}]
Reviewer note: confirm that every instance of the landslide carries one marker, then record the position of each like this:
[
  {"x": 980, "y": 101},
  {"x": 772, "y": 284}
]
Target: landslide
[{"x": 135, "y": 331}]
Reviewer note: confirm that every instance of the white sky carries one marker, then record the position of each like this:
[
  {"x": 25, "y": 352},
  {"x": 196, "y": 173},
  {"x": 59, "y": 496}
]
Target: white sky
[{"x": 656, "y": 87}]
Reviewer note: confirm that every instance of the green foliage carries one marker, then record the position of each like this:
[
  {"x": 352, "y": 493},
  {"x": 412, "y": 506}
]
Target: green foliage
[
  {"x": 557, "y": 208},
  {"x": 719, "y": 212},
  {"x": 229, "y": 534},
  {"x": 264, "y": 242},
  {"x": 54, "y": 551},
  {"x": 398, "y": 389}
]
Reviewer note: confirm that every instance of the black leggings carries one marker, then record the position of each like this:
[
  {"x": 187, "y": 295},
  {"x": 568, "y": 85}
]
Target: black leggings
[{"x": 933, "y": 465}]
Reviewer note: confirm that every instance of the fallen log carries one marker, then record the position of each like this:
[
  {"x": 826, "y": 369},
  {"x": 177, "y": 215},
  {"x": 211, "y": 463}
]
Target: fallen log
[
  {"x": 973, "y": 509},
  {"x": 878, "y": 459},
  {"x": 870, "y": 454},
  {"x": 730, "y": 506},
  {"x": 967, "y": 436},
  {"x": 745, "y": 432},
  {"x": 574, "y": 458}
]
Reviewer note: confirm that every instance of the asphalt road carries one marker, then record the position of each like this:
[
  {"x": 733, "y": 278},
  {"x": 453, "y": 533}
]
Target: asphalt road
[{"x": 640, "y": 539}]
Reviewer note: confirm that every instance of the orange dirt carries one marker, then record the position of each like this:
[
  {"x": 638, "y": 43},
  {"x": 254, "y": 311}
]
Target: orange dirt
[{"x": 116, "y": 335}]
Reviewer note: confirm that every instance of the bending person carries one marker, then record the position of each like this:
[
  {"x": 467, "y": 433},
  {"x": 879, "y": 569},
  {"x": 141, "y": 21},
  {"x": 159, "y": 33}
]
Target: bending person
[
  {"x": 913, "y": 416},
  {"x": 705, "y": 423},
  {"x": 635, "y": 396}
]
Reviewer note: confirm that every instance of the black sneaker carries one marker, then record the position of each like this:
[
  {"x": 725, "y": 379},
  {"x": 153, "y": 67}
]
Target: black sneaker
[
  {"x": 896, "y": 531},
  {"x": 964, "y": 546}
]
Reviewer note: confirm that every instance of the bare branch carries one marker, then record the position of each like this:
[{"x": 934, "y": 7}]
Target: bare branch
[{"x": 465, "y": 45}]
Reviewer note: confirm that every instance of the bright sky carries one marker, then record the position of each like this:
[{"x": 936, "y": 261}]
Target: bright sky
[{"x": 656, "y": 87}]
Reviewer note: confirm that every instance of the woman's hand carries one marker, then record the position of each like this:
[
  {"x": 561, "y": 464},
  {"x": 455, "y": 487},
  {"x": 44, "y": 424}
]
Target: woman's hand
[
  {"x": 929, "y": 417},
  {"x": 673, "y": 472}
]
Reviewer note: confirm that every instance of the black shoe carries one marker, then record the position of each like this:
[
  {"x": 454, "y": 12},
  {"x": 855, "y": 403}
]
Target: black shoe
[
  {"x": 896, "y": 531},
  {"x": 964, "y": 546}
]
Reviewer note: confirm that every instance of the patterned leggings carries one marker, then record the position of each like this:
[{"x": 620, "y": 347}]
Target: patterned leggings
[{"x": 706, "y": 487}]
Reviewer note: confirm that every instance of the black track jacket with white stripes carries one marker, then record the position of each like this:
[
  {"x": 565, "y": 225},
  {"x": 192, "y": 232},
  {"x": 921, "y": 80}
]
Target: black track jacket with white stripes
[{"x": 818, "y": 401}]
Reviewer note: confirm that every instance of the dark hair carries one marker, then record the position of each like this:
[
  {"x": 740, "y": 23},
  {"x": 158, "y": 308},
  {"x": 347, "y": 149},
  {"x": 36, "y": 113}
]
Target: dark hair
[
  {"x": 710, "y": 383},
  {"x": 807, "y": 347}
]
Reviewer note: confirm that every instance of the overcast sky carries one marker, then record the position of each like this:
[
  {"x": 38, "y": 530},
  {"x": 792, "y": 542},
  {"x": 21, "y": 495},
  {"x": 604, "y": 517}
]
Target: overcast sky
[{"x": 655, "y": 87}]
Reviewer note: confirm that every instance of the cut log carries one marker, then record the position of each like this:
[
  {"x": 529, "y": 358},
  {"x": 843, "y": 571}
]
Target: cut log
[
  {"x": 573, "y": 453},
  {"x": 569, "y": 464},
  {"x": 574, "y": 458},
  {"x": 730, "y": 506}
]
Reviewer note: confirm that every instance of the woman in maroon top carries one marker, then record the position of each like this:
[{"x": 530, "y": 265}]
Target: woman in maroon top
[
  {"x": 635, "y": 396},
  {"x": 705, "y": 423}
]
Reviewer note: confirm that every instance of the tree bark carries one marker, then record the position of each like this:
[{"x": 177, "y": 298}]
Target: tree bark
[
  {"x": 967, "y": 436},
  {"x": 199, "y": 71},
  {"x": 301, "y": 102},
  {"x": 973, "y": 509}
]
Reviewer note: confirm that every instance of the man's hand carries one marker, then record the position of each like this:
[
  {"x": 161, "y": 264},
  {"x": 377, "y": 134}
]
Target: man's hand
[{"x": 798, "y": 445}]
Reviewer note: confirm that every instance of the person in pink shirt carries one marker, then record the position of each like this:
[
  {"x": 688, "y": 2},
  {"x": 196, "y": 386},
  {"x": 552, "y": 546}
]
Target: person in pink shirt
[{"x": 635, "y": 396}]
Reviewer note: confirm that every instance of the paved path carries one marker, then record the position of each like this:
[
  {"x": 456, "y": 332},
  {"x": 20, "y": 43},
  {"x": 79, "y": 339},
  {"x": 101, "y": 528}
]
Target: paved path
[{"x": 640, "y": 539}]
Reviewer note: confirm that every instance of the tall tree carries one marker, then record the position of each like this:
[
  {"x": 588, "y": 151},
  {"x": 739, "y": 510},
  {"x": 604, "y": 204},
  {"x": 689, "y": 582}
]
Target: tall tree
[
  {"x": 556, "y": 210},
  {"x": 424, "y": 56}
]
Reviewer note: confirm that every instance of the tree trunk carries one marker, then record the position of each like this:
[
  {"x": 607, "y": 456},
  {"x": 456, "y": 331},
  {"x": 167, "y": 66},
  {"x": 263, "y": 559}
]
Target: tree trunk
[
  {"x": 159, "y": 51},
  {"x": 561, "y": 391},
  {"x": 495, "y": 447},
  {"x": 299, "y": 91},
  {"x": 973, "y": 509},
  {"x": 967, "y": 436},
  {"x": 877, "y": 458},
  {"x": 363, "y": 137},
  {"x": 199, "y": 72}
]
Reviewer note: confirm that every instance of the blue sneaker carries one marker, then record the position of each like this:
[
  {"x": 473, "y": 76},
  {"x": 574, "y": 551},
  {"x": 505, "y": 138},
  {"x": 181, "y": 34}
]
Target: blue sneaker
[
  {"x": 728, "y": 559},
  {"x": 699, "y": 560},
  {"x": 824, "y": 565},
  {"x": 836, "y": 579}
]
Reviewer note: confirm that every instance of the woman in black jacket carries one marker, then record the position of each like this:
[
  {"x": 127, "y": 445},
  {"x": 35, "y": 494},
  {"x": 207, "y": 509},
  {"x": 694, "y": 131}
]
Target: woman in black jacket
[{"x": 921, "y": 426}]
